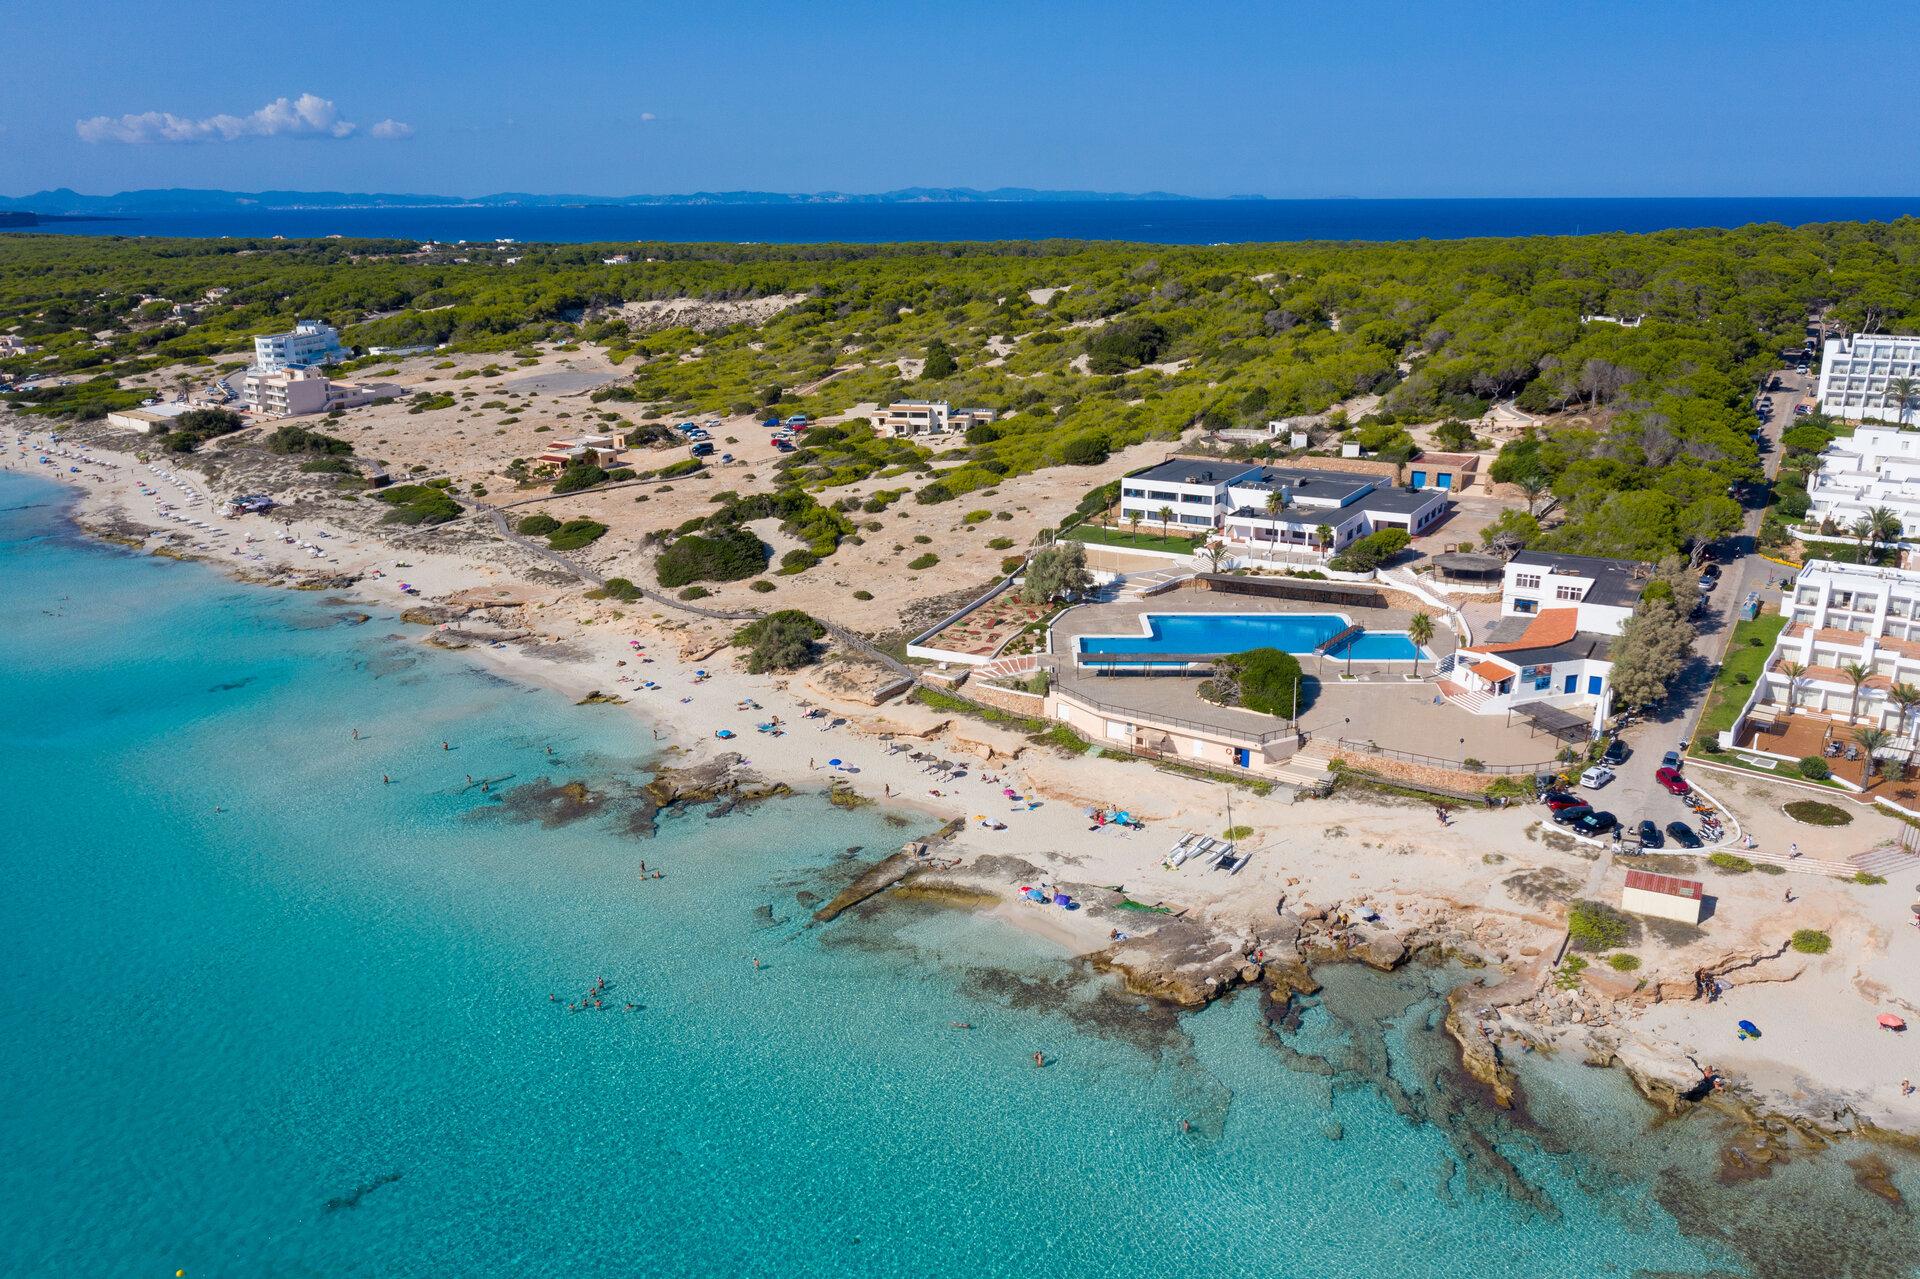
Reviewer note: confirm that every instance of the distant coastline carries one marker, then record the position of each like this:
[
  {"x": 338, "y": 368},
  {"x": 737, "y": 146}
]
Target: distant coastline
[
  {"x": 27, "y": 218},
  {"x": 944, "y": 216}
]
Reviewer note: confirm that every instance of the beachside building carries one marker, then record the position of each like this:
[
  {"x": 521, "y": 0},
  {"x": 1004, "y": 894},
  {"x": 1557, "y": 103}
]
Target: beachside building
[
  {"x": 1875, "y": 467},
  {"x": 1559, "y": 616},
  {"x": 150, "y": 419},
  {"x": 1855, "y": 373},
  {"x": 1268, "y": 510},
  {"x": 295, "y": 392},
  {"x": 12, "y": 344},
  {"x": 906, "y": 418},
  {"x": 310, "y": 343},
  {"x": 600, "y": 450},
  {"x": 1663, "y": 896}
]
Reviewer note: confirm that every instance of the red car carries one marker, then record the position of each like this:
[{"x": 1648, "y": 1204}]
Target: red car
[
  {"x": 1559, "y": 800},
  {"x": 1671, "y": 779}
]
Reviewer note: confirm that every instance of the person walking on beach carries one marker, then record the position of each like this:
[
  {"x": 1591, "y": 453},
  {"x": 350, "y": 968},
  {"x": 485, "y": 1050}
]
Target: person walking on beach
[
  {"x": 385, "y": 780},
  {"x": 356, "y": 734},
  {"x": 1793, "y": 850}
]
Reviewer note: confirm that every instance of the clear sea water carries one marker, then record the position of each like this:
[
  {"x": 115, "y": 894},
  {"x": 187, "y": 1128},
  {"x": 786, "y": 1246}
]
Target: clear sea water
[
  {"x": 1211, "y": 634},
  {"x": 263, "y": 1015},
  {"x": 1146, "y": 221}
]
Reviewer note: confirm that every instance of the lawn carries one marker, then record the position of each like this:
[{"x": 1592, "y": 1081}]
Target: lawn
[
  {"x": 1730, "y": 691},
  {"x": 1093, "y": 533}
]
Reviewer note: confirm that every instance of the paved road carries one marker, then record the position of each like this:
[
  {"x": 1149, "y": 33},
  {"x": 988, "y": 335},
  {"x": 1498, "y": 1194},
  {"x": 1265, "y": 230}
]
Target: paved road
[{"x": 1635, "y": 794}]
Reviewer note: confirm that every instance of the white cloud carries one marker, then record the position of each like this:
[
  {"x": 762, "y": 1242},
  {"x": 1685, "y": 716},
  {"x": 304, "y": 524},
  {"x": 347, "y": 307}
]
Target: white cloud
[
  {"x": 307, "y": 116},
  {"x": 645, "y": 116}
]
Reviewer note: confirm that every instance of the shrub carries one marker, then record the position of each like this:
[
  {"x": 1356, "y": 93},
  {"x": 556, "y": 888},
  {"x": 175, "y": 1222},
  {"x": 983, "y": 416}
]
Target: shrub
[
  {"x": 763, "y": 586},
  {"x": 863, "y": 595},
  {"x": 1261, "y": 679},
  {"x": 621, "y": 589},
  {"x": 575, "y": 534},
  {"x": 919, "y": 562},
  {"x": 1868, "y": 877},
  {"x": 695, "y": 593},
  {"x": 417, "y": 504},
  {"x": 335, "y": 466},
  {"x": 674, "y": 470},
  {"x": 1595, "y": 926},
  {"x": 537, "y": 525},
  {"x": 1732, "y": 863},
  {"x": 723, "y": 557},
  {"x": 579, "y": 475},
  {"x": 1084, "y": 450},
  {"x": 197, "y": 426},
  {"x": 1012, "y": 563},
  {"x": 1623, "y": 963},
  {"x": 781, "y": 641},
  {"x": 798, "y": 560},
  {"x": 1000, "y": 544},
  {"x": 1814, "y": 813},
  {"x": 297, "y": 439},
  {"x": 1567, "y": 975},
  {"x": 976, "y": 517},
  {"x": 1810, "y": 941},
  {"x": 1125, "y": 345},
  {"x": 1371, "y": 551},
  {"x": 1813, "y": 768}
]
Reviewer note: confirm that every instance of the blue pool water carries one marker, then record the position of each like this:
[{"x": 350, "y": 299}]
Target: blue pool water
[
  {"x": 1211, "y": 634},
  {"x": 263, "y": 1015}
]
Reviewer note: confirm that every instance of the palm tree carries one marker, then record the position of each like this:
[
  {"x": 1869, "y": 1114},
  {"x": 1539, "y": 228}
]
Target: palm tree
[
  {"x": 1793, "y": 671},
  {"x": 1870, "y": 741},
  {"x": 1887, "y": 528},
  {"x": 1133, "y": 522},
  {"x": 1861, "y": 529},
  {"x": 1859, "y": 675},
  {"x": 1166, "y": 517},
  {"x": 1906, "y": 697},
  {"x": 1902, "y": 392},
  {"x": 1215, "y": 554},
  {"x": 1420, "y": 631},
  {"x": 1325, "y": 533}
]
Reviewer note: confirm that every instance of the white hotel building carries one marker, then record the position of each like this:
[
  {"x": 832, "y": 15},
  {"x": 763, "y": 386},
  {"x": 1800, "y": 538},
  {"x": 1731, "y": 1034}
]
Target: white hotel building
[
  {"x": 1877, "y": 466},
  {"x": 1854, "y": 372},
  {"x": 310, "y": 343},
  {"x": 1235, "y": 499}
]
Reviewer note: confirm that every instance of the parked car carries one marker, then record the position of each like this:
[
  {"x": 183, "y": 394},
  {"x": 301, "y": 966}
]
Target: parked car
[
  {"x": 1594, "y": 824},
  {"x": 1671, "y": 760},
  {"x": 1559, "y": 799},
  {"x": 1568, "y": 816},
  {"x": 1672, "y": 782},
  {"x": 1617, "y": 753},
  {"x": 1650, "y": 836},
  {"x": 1596, "y": 777},
  {"x": 1683, "y": 835},
  {"x": 702, "y": 449}
]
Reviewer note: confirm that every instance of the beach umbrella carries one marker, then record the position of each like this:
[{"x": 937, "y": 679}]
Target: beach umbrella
[
  {"x": 833, "y": 763},
  {"x": 1892, "y": 1021},
  {"x": 1748, "y": 1028}
]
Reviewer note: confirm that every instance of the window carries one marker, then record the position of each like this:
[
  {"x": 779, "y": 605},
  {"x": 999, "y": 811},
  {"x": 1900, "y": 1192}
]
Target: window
[
  {"x": 1189, "y": 497},
  {"x": 1541, "y": 683},
  {"x": 1566, "y": 592},
  {"x": 1596, "y": 683},
  {"x": 1133, "y": 492},
  {"x": 1527, "y": 581},
  {"x": 1525, "y": 606}
]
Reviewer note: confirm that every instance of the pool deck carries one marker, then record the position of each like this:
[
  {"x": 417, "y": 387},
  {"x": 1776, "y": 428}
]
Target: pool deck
[{"x": 1122, "y": 617}]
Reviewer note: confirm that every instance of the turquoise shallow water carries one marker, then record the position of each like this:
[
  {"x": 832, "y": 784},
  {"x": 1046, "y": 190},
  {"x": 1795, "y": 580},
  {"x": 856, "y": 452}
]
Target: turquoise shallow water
[{"x": 310, "y": 1033}]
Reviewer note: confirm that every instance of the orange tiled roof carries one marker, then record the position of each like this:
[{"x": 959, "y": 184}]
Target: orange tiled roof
[
  {"x": 1552, "y": 626},
  {"x": 1492, "y": 672}
]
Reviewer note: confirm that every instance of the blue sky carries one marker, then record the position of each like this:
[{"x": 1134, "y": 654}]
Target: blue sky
[{"x": 1340, "y": 98}]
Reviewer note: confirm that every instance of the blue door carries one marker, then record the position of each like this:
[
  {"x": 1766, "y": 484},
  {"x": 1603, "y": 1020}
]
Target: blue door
[
  {"x": 1419, "y": 479},
  {"x": 1572, "y": 683},
  {"x": 1595, "y": 683},
  {"x": 1240, "y": 756},
  {"x": 1444, "y": 480}
]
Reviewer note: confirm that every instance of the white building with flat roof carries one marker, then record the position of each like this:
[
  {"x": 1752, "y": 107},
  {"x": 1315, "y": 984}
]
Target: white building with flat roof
[
  {"x": 150, "y": 419},
  {"x": 296, "y": 392},
  {"x": 905, "y": 418},
  {"x": 1264, "y": 510},
  {"x": 309, "y": 343},
  {"x": 1855, "y": 372},
  {"x": 1875, "y": 467}
]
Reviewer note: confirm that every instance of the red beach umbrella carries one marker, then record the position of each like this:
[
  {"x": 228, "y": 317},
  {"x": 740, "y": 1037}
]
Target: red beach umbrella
[{"x": 1893, "y": 1021}]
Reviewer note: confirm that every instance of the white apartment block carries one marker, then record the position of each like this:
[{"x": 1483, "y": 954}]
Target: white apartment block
[
  {"x": 1877, "y": 466},
  {"x": 1841, "y": 615},
  {"x": 1855, "y": 371},
  {"x": 310, "y": 343},
  {"x": 296, "y": 392},
  {"x": 1266, "y": 509},
  {"x": 927, "y": 417}
]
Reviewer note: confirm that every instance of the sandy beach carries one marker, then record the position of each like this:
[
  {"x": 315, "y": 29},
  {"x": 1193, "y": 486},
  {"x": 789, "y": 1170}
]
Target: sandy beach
[{"x": 1356, "y": 873}]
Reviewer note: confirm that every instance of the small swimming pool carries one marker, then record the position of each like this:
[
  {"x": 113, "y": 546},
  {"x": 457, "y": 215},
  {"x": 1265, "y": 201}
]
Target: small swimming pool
[{"x": 1214, "y": 634}]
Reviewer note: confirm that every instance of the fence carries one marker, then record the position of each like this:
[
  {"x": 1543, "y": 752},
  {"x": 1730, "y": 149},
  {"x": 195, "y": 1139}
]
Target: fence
[{"x": 1456, "y": 765}]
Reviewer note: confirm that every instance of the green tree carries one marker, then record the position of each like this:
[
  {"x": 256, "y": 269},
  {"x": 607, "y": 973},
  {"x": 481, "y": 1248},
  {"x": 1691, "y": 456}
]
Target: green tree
[
  {"x": 781, "y": 641},
  {"x": 1794, "y": 671},
  {"x": 1165, "y": 515},
  {"x": 1905, "y": 697},
  {"x": 1857, "y": 675},
  {"x": 940, "y": 362},
  {"x": 1323, "y": 533},
  {"x": 1420, "y": 631},
  {"x": 1654, "y": 646},
  {"x": 1058, "y": 572},
  {"x": 1512, "y": 531},
  {"x": 1902, "y": 392},
  {"x": 1261, "y": 679}
]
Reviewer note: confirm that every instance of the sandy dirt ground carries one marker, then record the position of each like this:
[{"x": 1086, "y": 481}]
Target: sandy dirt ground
[{"x": 1498, "y": 880}]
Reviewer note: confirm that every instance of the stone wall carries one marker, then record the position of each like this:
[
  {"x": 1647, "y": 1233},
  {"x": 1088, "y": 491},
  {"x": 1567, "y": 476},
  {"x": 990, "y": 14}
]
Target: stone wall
[
  {"x": 1031, "y": 705},
  {"x": 1426, "y": 776}
]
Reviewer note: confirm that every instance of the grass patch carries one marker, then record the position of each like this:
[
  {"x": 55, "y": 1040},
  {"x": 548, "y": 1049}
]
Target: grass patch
[
  {"x": 1237, "y": 833},
  {"x": 1567, "y": 975},
  {"x": 1814, "y": 813},
  {"x": 1127, "y": 540},
  {"x": 1745, "y": 661},
  {"x": 1868, "y": 877},
  {"x": 939, "y": 701},
  {"x": 1731, "y": 863},
  {"x": 1623, "y": 963},
  {"x": 1595, "y": 926}
]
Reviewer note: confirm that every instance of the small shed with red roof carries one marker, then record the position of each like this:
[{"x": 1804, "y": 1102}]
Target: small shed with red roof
[{"x": 1663, "y": 896}]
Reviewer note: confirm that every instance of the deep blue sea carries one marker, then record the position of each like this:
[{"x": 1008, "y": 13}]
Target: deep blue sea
[
  {"x": 1148, "y": 221},
  {"x": 263, "y": 1015}
]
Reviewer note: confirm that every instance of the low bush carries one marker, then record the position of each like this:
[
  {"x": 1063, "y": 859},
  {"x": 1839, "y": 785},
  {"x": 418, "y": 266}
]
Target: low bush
[
  {"x": 575, "y": 534},
  {"x": 863, "y": 595},
  {"x": 579, "y": 475},
  {"x": 1595, "y": 926},
  {"x": 781, "y": 641},
  {"x": 536, "y": 525},
  {"x": 695, "y": 593},
  {"x": 1814, "y": 813},
  {"x": 622, "y": 589},
  {"x": 798, "y": 560},
  {"x": 1813, "y": 768},
  {"x": 417, "y": 504},
  {"x": 976, "y": 517},
  {"x": 763, "y": 586},
  {"x": 1261, "y": 679},
  {"x": 1623, "y": 963},
  {"x": 196, "y": 427},
  {"x": 1732, "y": 863},
  {"x": 723, "y": 557},
  {"x": 297, "y": 439},
  {"x": 1811, "y": 941},
  {"x": 919, "y": 562}
]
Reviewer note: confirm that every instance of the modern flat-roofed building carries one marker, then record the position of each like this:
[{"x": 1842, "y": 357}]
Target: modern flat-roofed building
[
  {"x": 1559, "y": 616},
  {"x": 928, "y": 417},
  {"x": 1876, "y": 467},
  {"x": 1855, "y": 373},
  {"x": 151, "y": 419},
  {"x": 601, "y": 450},
  {"x": 1268, "y": 509},
  {"x": 1663, "y": 896},
  {"x": 296, "y": 392},
  {"x": 310, "y": 343}
]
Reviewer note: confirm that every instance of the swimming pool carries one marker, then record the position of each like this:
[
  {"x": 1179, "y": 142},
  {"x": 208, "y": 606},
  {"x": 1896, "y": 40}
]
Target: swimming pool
[{"x": 1213, "y": 634}]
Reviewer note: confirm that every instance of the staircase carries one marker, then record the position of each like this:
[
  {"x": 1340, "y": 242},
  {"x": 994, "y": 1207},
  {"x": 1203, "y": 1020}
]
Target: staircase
[
  {"x": 1306, "y": 768},
  {"x": 1885, "y": 862},
  {"x": 1467, "y": 699},
  {"x": 1138, "y": 584},
  {"x": 1003, "y": 669}
]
